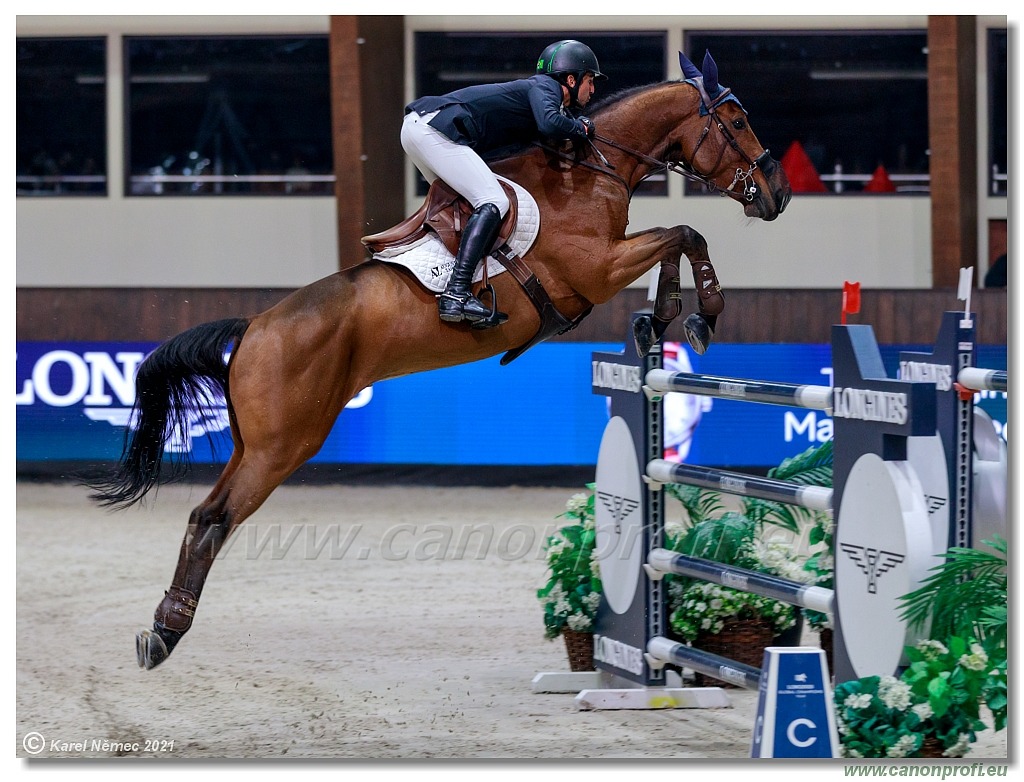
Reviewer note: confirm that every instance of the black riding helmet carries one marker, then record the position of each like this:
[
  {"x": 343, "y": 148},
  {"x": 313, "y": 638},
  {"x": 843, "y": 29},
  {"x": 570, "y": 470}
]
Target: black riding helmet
[{"x": 564, "y": 57}]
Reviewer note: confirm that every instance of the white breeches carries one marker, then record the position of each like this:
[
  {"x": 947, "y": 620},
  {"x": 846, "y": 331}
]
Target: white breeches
[{"x": 438, "y": 157}]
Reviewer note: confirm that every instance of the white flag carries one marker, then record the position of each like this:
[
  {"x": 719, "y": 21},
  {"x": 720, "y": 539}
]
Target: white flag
[{"x": 966, "y": 278}]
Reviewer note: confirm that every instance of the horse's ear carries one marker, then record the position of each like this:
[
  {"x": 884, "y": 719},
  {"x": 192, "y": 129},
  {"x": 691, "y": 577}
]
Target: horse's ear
[
  {"x": 689, "y": 69},
  {"x": 710, "y": 71}
]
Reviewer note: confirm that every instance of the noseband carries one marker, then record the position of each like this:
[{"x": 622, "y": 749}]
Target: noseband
[{"x": 687, "y": 168}]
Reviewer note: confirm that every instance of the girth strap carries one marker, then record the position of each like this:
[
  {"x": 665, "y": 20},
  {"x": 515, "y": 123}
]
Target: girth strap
[{"x": 552, "y": 322}]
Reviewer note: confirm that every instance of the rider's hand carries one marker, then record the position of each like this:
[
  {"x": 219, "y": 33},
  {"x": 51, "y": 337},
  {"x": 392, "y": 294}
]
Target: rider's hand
[{"x": 588, "y": 123}]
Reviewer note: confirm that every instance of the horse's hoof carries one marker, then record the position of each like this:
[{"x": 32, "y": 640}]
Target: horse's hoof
[
  {"x": 643, "y": 335},
  {"x": 150, "y": 649},
  {"x": 698, "y": 333}
]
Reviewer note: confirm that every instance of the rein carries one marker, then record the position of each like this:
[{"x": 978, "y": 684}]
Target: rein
[{"x": 687, "y": 168}]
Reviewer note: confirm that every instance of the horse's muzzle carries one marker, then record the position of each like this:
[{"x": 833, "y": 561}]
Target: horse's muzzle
[{"x": 773, "y": 200}]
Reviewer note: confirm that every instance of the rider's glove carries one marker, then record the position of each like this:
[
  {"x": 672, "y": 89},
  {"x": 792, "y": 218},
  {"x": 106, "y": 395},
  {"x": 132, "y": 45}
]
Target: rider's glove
[{"x": 588, "y": 123}]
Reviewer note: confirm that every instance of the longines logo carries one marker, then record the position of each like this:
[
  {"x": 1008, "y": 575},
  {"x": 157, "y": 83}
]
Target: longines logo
[
  {"x": 619, "y": 507},
  {"x": 101, "y": 384},
  {"x": 934, "y": 503},
  {"x": 618, "y": 377},
  {"x": 872, "y": 561},
  {"x": 939, "y": 374}
]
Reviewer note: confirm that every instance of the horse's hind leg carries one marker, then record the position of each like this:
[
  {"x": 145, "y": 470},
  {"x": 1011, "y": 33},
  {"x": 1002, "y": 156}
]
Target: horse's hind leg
[{"x": 239, "y": 492}]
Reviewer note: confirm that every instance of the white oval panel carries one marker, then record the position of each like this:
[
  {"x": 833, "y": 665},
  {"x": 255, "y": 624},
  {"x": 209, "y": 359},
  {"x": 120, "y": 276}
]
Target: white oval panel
[
  {"x": 618, "y": 510},
  {"x": 883, "y": 551}
]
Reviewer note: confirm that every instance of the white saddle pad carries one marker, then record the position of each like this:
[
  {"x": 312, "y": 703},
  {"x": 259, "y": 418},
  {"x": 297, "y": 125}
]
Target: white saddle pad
[{"x": 432, "y": 264}]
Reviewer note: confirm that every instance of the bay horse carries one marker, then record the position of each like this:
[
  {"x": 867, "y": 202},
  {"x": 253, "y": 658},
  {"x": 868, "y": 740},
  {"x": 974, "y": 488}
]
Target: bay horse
[{"x": 293, "y": 367}]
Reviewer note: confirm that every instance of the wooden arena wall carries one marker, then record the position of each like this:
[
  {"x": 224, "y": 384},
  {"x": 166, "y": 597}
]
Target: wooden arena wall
[{"x": 751, "y": 315}]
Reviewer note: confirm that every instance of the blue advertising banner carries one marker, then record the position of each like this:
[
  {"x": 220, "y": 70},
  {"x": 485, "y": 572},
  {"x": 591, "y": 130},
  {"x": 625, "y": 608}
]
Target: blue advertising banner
[{"x": 74, "y": 403}]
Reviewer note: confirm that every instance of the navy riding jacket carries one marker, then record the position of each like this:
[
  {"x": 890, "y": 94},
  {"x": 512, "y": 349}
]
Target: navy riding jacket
[{"x": 490, "y": 116}]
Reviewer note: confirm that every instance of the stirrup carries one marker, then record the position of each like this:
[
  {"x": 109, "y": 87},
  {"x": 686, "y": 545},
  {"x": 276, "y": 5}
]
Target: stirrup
[{"x": 495, "y": 318}]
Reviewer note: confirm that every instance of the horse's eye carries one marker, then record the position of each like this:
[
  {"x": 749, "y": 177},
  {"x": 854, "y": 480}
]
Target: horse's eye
[{"x": 739, "y": 123}]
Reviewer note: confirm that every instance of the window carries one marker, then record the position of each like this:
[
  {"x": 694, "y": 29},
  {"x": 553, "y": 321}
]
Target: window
[
  {"x": 229, "y": 115},
  {"x": 850, "y": 107},
  {"x": 61, "y": 117},
  {"x": 997, "y": 121},
  {"x": 447, "y": 61}
]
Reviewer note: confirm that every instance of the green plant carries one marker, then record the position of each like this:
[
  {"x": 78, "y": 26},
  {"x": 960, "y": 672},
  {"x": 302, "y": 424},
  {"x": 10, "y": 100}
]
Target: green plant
[
  {"x": 941, "y": 692},
  {"x": 964, "y": 602},
  {"x": 705, "y": 607},
  {"x": 572, "y": 591},
  {"x": 812, "y": 467},
  {"x": 938, "y": 696},
  {"x": 739, "y": 539},
  {"x": 731, "y": 539},
  {"x": 820, "y": 564},
  {"x": 964, "y": 595}
]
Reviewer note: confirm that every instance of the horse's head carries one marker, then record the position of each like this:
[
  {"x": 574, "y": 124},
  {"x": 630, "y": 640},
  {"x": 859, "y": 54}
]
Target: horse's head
[{"x": 718, "y": 145}]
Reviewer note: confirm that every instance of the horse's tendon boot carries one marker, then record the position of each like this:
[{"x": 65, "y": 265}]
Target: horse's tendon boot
[
  {"x": 668, "y": 303},
  {"x": 177, "y": 609},
  {"x": 171, "y": 620},
  {"x": 709, "y": 290}
]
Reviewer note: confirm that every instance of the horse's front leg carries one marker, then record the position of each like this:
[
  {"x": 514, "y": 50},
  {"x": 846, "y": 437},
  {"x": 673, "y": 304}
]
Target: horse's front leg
[{"x": 668, "y": 245}]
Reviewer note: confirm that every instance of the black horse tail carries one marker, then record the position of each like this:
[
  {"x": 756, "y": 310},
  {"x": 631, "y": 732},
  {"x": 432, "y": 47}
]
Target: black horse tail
[{"x": 179, "y": 378}]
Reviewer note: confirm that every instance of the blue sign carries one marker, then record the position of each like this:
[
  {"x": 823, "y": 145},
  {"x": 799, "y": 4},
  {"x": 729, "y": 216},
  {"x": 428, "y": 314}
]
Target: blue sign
[
  {"x": 795, "y": 717},
  {"x": 74, "y": 401}
]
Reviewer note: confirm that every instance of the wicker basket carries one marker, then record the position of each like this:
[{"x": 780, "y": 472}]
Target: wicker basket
[
  {"x": 742, "y": 640},
  {"x": 580, "y": 648},
  {"x": 931, "y": 747}
]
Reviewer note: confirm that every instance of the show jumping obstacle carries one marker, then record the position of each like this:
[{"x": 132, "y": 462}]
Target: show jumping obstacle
[{"x": 889, "y": 525}]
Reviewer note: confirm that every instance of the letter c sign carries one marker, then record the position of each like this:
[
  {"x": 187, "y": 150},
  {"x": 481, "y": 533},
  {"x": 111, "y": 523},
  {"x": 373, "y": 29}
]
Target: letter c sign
[{"x": 791, "y": 733}]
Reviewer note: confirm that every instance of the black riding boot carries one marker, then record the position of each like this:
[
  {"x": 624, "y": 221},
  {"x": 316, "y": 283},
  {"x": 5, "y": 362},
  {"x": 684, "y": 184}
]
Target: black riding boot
[{"x": 458, "y": 303}]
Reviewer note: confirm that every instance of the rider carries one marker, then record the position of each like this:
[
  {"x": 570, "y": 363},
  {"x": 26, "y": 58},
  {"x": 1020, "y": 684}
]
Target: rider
[{"x": 445, "y": 137}]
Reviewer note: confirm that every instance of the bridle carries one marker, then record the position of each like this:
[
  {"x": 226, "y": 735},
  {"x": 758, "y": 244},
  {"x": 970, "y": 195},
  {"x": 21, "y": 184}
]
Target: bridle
[{"x": 687, "y": 168}]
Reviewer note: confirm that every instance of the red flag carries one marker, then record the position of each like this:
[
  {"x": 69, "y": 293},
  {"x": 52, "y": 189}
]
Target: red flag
[{"x": 851, "y": 298}]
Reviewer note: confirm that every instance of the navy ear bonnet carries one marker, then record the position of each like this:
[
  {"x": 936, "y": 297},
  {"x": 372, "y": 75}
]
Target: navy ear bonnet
[{"x": 706, "y": 81}]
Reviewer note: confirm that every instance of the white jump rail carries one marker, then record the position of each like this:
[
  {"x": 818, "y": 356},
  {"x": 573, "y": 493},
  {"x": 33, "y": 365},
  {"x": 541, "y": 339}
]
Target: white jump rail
[
  {"x": 810, "y": 497},
  {"x": 788, "y": 394},
  {"x": 982, "y": 379}
]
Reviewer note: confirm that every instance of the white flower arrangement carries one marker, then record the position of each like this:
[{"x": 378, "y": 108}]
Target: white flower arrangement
[
  {"x": 571, "y": 595},
  {"x": 701, "y": 606},
  {"x": 705, "y": 607},
  {"x": 936, "y": 697}
]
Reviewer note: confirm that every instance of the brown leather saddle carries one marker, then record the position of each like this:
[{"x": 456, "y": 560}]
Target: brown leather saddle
[{"x": 445, "y": 212}]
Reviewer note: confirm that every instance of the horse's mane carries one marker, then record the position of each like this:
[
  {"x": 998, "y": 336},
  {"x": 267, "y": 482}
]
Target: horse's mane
[{"x": 605, "y": 103}]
